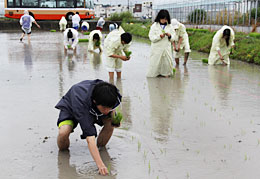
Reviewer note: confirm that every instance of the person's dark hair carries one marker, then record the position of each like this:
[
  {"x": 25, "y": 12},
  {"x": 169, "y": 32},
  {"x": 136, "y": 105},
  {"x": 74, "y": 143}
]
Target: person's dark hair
[
  {"x": 77, "y": 12},
  {"x": 163, "y": 14},
  {"x": 126, "y": 37},
  {"x": 227, "y": 32},
  {"x": 105, "y": 94},
  {"x": 69, "y": 34},
  {"x": 96, "y": 36}
]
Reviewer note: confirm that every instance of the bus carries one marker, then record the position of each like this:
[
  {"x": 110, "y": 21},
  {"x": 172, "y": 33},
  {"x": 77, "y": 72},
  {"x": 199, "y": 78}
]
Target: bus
[{"x": 50, "y": 9}]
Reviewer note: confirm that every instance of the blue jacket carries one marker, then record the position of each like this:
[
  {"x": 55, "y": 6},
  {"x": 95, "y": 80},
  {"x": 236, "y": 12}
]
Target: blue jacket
[{"x": 78, "y": 103}]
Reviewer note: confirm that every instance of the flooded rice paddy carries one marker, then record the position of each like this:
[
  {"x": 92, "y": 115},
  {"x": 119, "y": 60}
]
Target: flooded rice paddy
[{"x": 204, "y": 123}]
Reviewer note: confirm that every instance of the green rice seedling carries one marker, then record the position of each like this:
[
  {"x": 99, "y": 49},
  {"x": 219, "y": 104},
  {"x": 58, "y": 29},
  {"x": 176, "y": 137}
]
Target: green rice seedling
[
  {"x": 161, "y": 151},
  {"x": 116, "y": 119},
  {"x": 163, "y": 31},
  {"x": 204, "y": 60},
  {"x": 258, "y": 142},
  {"x": 225, "y": 146},
  {"x": 197, "y": 151},
  {"x": 83, "y": 40},
  {"x": 173, "y": 70},
  {"x": 109, "y": 168},
  {"x": 188, "y": 175},
  {"x": 97, "y": 43},
  {"x": 157, "y": 177},
  {"x": 128, "y": 53},
  {"x": 149, "y": 167},
  {"x": 245, "y": 157},
  {"x": 139, "y": 146},
  {"x": 86, "y": 33},
  {"x": 69, "y": 46},
  {"x": 53, "y": 30}
]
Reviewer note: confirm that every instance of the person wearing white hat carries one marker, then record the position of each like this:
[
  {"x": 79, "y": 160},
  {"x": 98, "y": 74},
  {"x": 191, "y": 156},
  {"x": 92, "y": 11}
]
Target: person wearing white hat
[
  {"x": 26, "y": 22},
  {"x": 181, "y": 44}
]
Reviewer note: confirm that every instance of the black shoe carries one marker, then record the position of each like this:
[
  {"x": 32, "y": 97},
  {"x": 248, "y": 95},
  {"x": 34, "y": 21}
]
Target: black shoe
[{"x": 21, "y": 39}]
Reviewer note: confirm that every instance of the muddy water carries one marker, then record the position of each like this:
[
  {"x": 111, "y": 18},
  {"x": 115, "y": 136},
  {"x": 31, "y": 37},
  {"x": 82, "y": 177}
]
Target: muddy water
[{"x": 203, "y": 123}]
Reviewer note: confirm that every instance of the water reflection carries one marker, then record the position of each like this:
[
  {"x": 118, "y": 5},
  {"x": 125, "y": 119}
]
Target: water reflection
[
  {"x": 161, "y": 97},
  {"x": 95, "y": 59},
  {"x": 66, "y": 171},
  {"x": 125, "y": 105},
  {"x": 166, "y": 94},
  {"x": 221, "y": 78},
  {"x": 28, "y": 56}
]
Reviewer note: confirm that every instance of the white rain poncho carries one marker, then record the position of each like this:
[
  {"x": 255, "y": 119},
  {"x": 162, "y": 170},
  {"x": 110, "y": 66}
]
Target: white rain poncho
[
  {"x": 63, "y": 23},
  {"x": 75, "y": 20},
  {"x": 71, "y": 41},
  {"x": 91, "y": 44},
  {"x": 101, "y": 22},
  {"x": 161, "y": 51},
  {"x": 113, "y": 46},
  {"x": 180, "y": 31},
  {"x": 86, "y": 24},
  {"x": 219, "y": 43}
]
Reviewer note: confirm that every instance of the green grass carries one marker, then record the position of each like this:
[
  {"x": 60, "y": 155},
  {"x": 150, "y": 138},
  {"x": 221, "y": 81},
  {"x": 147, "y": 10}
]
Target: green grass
[
  {"x": 83, "y": 40},
  {"x": 255, "y": 35},
  {"x": 204, "y": 60}
]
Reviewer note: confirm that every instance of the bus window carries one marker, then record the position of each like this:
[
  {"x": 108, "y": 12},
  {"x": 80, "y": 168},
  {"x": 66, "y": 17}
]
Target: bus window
[
  {"x": 17, "y": 3},
  {"x": 80, "y": 3},
  {"x": 47, "y": 3},
  {"x": 32, "y": 3},
  {"x": 10, "y": 3},
  {"x": 68, "y": 3},
  {"x": 89, "y": 4}
]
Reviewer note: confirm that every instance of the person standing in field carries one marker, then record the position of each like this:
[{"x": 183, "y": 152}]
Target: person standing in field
[
  {"x": 116, "y": 42},
  {"x": 26, "y": 22},
  {"x": 63, "y": 23},
  {"x": 75, "y": 21},
  {"x": 95, "y": 39},
  {"x": 161, "y": 35},
  {"x": 222, "y": 43},
  {"x": 181, "y": 45}
]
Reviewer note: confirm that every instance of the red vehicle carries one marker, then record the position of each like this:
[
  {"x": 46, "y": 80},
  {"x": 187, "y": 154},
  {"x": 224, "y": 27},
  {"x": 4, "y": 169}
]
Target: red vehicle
[{"x": 50, "y": 9}]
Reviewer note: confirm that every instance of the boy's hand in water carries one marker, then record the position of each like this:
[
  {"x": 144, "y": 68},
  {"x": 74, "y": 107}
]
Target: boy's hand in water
[{"x": 103, "y": 170}]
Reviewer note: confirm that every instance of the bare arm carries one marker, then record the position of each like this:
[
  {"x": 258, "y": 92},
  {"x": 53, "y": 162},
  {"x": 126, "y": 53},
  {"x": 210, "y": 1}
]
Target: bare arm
[
  {"x": 95, "y": 155},
  {"x": 179, "y": 44},
  {"x": 124, "y": 58},
  {"x": 36, "y": 24}
]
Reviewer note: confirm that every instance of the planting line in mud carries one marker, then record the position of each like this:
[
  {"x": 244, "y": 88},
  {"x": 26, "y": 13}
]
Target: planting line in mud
[
  {"x": 239, "y": 91},
  {"x": 155, "y": 157},
  {"x": 240, "y": 78}
]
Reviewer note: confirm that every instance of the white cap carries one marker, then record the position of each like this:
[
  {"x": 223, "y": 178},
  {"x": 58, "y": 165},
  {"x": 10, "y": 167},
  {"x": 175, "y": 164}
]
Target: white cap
[
  {"x": 26, "y": 12},
  {"x": 175, "y": 23}
]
